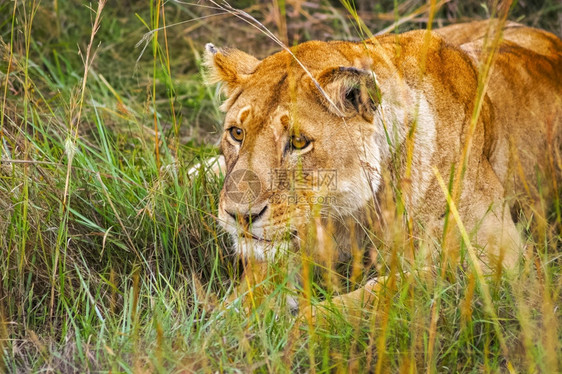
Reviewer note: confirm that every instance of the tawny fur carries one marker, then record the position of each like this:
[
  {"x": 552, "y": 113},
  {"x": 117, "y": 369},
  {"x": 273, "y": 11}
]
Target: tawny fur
[{"x": 429, "y": 80}]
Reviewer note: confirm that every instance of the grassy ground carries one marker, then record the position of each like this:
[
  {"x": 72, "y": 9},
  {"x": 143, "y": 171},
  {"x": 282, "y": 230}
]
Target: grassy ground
[{"x": 110, "y": 257}]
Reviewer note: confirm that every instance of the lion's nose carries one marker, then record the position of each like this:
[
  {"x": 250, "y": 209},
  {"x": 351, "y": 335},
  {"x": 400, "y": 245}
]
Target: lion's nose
[{"x": 247, "y": 217}]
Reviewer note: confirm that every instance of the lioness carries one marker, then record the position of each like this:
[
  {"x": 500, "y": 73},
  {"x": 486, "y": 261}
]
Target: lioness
[{"x": 312, "y": 132}]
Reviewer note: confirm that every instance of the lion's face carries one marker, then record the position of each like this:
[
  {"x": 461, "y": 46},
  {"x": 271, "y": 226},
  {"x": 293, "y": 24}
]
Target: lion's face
[{"x": 294, "y": 154}]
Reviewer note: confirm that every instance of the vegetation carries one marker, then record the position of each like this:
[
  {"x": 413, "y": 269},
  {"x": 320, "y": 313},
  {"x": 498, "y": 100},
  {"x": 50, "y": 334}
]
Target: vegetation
[{"x": 110, "y": 256}]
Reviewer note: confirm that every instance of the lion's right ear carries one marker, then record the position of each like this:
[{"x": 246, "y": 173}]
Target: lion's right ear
[{"x": 230, "y": 66}]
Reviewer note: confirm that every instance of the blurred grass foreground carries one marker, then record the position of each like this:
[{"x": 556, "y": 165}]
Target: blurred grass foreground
[{"x": 110, "y": 256}]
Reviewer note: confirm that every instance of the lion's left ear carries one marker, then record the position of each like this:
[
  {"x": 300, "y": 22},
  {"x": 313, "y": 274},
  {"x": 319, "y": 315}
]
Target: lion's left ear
[
  {"x": 230, "y": 66},
  {"x": 351, "y": 90}
]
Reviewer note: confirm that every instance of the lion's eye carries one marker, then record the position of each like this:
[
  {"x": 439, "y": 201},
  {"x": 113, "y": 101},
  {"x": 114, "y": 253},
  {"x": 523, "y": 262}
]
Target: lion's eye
[
  {"x": 299, "y": 142},
  {"x": 237, "y": 134}
]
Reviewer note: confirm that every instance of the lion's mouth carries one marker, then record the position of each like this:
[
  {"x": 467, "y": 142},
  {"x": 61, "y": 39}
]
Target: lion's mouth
[
  {"x": 245, "y": 234},
  {"x": 248, "y": 235}
]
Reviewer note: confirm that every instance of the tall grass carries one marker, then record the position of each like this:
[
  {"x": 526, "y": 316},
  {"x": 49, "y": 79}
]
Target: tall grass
[{"x": 110, "y": 255}]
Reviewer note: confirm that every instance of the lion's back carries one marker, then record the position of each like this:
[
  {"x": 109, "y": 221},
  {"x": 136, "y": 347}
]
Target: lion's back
[{"x": 525, "y": 91}]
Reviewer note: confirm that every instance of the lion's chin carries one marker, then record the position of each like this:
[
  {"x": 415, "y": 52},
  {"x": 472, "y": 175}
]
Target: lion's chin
[{"x": 260, "y": 249}]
